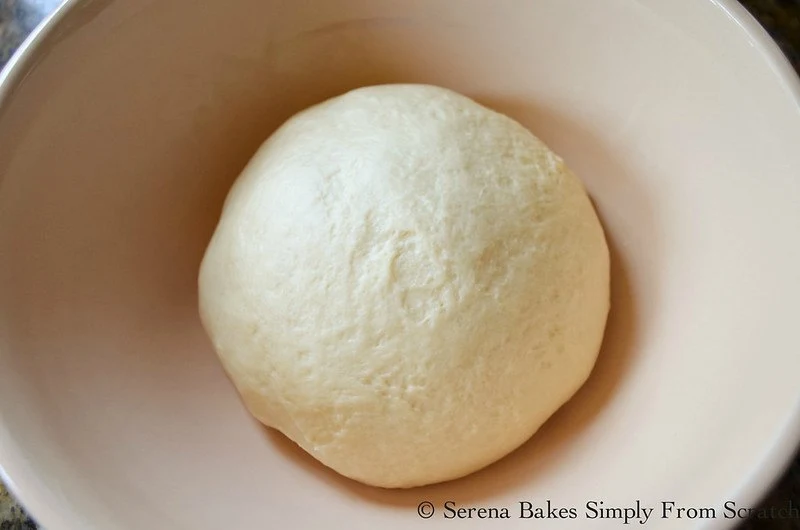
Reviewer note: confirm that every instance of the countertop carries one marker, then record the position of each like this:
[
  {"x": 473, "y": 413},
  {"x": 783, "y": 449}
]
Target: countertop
[{"x": 780, "y": 17}]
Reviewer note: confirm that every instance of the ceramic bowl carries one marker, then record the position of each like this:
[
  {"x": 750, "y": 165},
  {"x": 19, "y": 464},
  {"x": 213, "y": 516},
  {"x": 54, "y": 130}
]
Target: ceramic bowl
[{"x": 124, "y": 122}]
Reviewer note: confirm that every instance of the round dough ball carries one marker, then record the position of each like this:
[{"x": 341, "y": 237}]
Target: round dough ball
[{"x": 406, "y": 283}]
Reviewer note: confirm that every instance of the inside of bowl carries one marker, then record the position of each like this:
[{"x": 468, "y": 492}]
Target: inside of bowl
[{"x": 118, "y": 148}]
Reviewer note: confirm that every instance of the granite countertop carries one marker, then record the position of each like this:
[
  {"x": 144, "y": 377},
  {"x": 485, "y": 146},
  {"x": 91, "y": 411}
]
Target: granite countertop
[{"x": 780, "y": 17}]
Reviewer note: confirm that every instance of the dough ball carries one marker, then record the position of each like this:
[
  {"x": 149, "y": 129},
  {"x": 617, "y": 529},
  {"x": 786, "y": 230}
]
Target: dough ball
[{"x": 406, "y": 283}]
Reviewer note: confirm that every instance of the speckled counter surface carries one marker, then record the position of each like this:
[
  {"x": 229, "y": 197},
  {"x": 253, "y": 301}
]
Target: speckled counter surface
[{"x": 780, "y": 17}]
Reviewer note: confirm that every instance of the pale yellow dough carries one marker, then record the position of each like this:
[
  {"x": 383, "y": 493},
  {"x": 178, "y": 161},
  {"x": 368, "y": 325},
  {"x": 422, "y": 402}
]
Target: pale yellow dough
[{"x": 406, "y": 283}]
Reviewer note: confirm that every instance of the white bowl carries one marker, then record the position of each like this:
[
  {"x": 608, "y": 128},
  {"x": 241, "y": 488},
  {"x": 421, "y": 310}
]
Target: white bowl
[{"x": 123, "y": 122}]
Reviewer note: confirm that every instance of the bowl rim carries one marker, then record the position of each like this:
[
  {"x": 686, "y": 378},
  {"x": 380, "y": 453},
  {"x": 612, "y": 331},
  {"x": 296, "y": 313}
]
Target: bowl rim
[{"x": 776, "y": 459}]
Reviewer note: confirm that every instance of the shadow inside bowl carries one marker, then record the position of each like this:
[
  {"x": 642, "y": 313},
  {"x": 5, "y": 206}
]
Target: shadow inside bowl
[{"x": 623, "y": 333}]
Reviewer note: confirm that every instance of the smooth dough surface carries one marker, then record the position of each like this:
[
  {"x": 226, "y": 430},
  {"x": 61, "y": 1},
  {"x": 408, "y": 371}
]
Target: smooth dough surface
[{"x": 406, "y": 283}]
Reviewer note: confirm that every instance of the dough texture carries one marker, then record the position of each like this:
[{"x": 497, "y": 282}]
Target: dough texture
[{"x": 406, "y": 283}]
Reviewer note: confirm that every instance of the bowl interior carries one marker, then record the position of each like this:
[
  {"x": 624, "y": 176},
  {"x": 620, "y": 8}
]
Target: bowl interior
[{"x": 133, "y": 119}]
